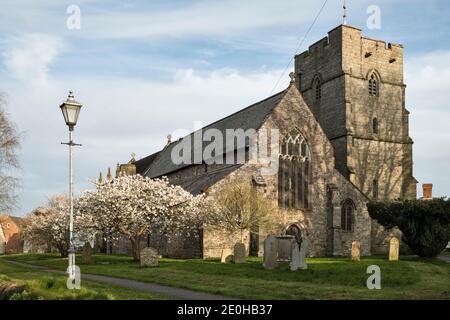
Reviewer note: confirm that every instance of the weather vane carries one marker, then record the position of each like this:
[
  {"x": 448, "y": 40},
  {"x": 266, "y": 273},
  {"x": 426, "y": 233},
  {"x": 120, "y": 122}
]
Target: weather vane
[{"x": 345, "y": 12}]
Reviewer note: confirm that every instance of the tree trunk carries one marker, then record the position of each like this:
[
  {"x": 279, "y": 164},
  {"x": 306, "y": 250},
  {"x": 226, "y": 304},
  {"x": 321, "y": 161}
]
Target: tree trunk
[
  {"x": 63, "y": 251},
  {"x": 136, "y": 246}
]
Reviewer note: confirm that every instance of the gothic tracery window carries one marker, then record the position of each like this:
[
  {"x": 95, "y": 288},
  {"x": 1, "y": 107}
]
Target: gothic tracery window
[
  {"x": 347, "y": 210},
  {"x": 373, "y": 85},
  {"x": 294, "y": 172}
]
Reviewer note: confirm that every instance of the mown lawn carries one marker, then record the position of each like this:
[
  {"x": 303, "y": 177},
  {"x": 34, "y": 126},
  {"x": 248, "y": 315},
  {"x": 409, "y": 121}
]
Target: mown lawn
[
  {"x": 326, "y": 278},
  {"x": 43, "y": 285}
]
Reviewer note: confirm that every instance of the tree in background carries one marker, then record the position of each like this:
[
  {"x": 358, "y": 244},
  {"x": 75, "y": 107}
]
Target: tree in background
[
  {"x": 48, "y": 225},
  {"x": 9, "y": 143},
  {"x": 241, "y": 207},
  {"x": 134, "y": 206},
  {"x": 425, "y": 224}
]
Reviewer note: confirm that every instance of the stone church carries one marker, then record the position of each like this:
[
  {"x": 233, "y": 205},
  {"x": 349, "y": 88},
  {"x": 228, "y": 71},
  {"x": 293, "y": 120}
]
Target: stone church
[{"x": 343, "y": 140}]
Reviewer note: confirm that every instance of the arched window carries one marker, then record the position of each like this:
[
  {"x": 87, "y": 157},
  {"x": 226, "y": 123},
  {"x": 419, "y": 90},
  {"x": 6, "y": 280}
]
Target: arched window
[
  {"x": 373, "y": 85},
  {"x": 348, "y": 208},
  {"x": 317, "y": 89},
  {"x": 294, "y": 172},
  {"x": 375, "y": 125}
]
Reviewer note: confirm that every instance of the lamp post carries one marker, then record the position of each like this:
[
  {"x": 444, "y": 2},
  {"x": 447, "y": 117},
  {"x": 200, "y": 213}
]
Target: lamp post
[{"x": 71, "y": 109}]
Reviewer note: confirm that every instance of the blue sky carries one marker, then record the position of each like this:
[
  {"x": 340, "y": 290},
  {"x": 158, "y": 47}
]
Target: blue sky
[{"x": 143, "y": 69}]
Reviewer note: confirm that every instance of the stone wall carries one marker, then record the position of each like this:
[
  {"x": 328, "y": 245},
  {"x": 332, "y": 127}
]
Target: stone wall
[
  {"x": 292, "y": 112},
  {"x": 343, "y": 61}
]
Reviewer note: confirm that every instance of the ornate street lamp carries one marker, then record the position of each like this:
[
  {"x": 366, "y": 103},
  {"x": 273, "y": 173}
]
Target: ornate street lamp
[{"x": 71, "y": 109}]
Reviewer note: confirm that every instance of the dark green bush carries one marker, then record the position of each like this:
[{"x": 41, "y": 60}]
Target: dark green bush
[{"x": 425, "y": 224}]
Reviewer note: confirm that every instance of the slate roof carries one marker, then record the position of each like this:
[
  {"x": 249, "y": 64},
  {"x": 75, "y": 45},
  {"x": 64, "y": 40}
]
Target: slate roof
[
  {"x": 144, "y": 163},
  {"x": 252, "y": 117},
  {"x": 198, "y": 184}
]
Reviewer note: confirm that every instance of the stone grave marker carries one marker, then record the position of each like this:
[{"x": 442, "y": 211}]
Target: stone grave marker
[
  {"x": 149, "y": 257},
  {"x": 303, "y": 250},
  {"x": 394, "y": 245},
  {"x": 270, "y": 252},
  {"x": 295, "y": 257},
  {"x": 239, "y": 253},
  {"x": 87, "y": 253},
  {"x": 285, "y": 243},
  {"x": 356, "y": 250}
]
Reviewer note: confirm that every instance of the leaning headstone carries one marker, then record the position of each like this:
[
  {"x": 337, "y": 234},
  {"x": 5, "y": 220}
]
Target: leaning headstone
[
  {"x": 227, "y": 255},
  {"x": 239, "y": 253},
  {"x": 149, "y": 257},
  {"x": 295, "y": 257},
  {"x": 356, "y": 251},
  {"x": 270, "y": 252},
  {"x": 394, "y": 245},
  {"x": 303, "y": 249},
  {"x": 87, "y": 253}
]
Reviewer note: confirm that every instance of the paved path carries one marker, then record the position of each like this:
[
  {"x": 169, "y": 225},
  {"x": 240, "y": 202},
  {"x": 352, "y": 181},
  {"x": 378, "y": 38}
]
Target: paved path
[
  {"x": 444, "y": 258},
  {"x": 177, "y": 293}
]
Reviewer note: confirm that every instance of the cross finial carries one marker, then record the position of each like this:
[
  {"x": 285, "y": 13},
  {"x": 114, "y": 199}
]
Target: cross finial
[
  {"x": 345, "y": 13},
  {"x": 133, "y": 157},
  {"x": 292, "y": 76}
]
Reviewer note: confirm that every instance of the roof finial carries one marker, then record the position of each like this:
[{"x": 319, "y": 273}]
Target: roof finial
[
  {"x": 292, "y": 76},
  {"x": 345, "y": 13}
]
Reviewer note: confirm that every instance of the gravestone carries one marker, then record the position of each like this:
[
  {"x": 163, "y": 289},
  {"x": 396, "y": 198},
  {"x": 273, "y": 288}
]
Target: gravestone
[
  {"x": 394, "y": 245},
  {"x": 285, "y": 243},
  {"x": 87, "y": 253},
  {"x": 270, "y": 252},
  {"x": 227, "y": 255},
  {"x": 149, "y": 257},
  {"x": 295, "y": 257},
  {"x": 239, "y": 253},
  {"x": 303, "y": 250},
  {"x": 356, "y": 250}
]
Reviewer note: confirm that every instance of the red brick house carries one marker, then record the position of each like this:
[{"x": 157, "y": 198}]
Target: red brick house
[{"x": 11, "y": 231}]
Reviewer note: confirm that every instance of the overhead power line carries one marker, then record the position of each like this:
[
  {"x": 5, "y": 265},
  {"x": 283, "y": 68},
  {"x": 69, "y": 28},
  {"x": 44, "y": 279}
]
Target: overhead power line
[{"x": 299, "y": 46}]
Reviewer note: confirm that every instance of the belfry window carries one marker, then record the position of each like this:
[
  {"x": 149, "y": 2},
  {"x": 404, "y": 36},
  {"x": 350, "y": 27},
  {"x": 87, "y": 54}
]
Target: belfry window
[
  {"x": 294, "y": 172},
  {"x": 373, "y": 85},
  {"x": 318, "y": 89},
  {"x": 347, "y": 210}
]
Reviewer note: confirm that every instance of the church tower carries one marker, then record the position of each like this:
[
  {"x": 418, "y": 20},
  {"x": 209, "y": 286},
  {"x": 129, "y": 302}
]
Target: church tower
[{"x": 355, "y": 88}]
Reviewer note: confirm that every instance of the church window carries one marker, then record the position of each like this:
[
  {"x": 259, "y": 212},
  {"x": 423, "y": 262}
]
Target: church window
[
  {"x": 373, "y": 85},
  {"x": 375, "y": 190},
  {"x": 375, "y": 125},
  {"x": 348, "y": 207},
  {"x": 318, "y": 89},
  {"x": 294, "y": 172}
]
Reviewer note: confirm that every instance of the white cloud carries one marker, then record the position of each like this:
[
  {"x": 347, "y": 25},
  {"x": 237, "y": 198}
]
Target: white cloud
[
  {"x": 427, "y": 96},
  {"x": 28, "y": 57},
  {"x": 120, "y": 116}
]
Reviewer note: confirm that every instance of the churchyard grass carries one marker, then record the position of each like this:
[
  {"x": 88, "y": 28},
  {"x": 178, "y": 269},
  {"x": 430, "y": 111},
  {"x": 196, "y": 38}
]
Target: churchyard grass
[
  {"x": 47, "y": 286},
  {"x": 325, "y": 278}
]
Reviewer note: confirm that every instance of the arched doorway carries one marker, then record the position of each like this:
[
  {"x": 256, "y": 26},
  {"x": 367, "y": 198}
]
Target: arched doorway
[{"x": 294, "y": 230}]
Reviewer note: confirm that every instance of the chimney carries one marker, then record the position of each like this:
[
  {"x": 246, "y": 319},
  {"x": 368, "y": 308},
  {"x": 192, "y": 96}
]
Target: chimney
[{"x": 427, "y": 190}]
